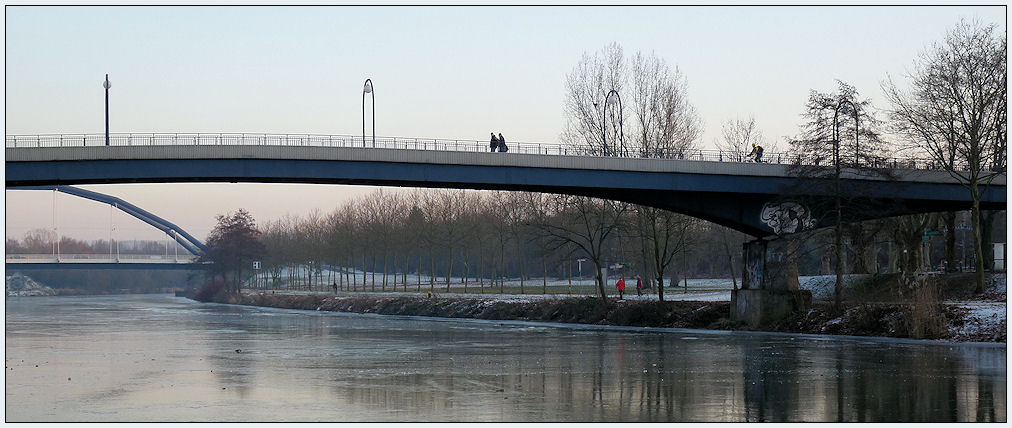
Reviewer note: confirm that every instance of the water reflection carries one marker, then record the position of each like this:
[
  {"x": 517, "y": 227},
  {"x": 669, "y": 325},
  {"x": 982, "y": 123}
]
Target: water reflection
[{"x": 162, "y": 358}]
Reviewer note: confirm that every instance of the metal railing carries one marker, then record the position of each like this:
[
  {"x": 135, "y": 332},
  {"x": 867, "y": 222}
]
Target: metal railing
[
  {"x": 98, "y": 258},
  {"x": 413, "y": 143}
]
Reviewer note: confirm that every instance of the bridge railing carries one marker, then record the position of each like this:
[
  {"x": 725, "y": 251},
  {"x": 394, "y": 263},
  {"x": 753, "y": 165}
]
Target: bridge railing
[
  {"x": 98, "y": 258},
  {"x": 412, "y": 143}
]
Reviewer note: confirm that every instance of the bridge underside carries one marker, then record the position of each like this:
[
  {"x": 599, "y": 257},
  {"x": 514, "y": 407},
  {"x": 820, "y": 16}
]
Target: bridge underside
[{"x": 756, "y": 205}]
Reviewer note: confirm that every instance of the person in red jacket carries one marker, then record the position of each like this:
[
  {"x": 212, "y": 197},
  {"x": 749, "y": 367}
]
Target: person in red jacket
[
  {"x": 639, "y": 286},
  {"x": 621, "y": 288}
]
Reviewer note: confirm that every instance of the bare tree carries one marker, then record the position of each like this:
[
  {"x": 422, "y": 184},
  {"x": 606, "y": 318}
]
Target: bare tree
[
  {"x": 840, "y": 122},
  {"x": 515, "y": 220},
  {"x": 587, "y": 88},
  {"x": 311, "y": 244},
  {"x": 955, "y": 111},
  {"x": 384, "y": 212},
  {"x": 446, "y": 210},
  {"x": 907, "y": 231},
  {"x": 841, "y": 130},
  {"x": 738, "y": 136},
  {"x": 663, "y": 122},
  {"x": 497, "y": 217},
  {"x": 666, "y": 235},
  {"x": 40, "y": 241},
  {"x": 416, "y": 236},
  {"x": 232, "y": 246},
  {"x": 336, "y": 229},
  {"x": 667, "y": 125},
  {"x": 586, "y": 223}
]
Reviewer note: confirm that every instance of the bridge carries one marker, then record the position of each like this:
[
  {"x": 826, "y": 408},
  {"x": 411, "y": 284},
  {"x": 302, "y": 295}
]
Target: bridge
[
  {"x": 762, "y": 200},
  {"x": 22, "y": 262},
  {"x": 765, "y": 200}
]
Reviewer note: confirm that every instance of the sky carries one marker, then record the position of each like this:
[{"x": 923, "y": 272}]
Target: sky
[{"x": 455, "y": 72}]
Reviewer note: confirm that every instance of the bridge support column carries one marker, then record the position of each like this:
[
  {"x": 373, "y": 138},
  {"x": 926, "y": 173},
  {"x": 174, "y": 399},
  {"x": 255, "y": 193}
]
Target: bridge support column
[{"x": 770, "y": 290}]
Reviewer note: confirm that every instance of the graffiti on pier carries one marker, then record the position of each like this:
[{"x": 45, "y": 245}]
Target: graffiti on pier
[
  {"x": 755, "y": 263},
  {"x": 787, "y": 217}
]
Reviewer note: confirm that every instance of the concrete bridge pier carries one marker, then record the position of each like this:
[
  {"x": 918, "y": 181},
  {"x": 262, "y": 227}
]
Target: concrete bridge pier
[{"x": 770, "y": 290}]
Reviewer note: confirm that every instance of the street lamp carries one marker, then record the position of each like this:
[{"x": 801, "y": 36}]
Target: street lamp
[
  {"x": 608, "y": 100},
  {"x": 106, "y": 85},
  {"x": 367, "y": 89}
]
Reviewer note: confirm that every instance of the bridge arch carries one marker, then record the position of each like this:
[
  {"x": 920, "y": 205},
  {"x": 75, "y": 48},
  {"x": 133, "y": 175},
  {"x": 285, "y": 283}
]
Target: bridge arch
[{"x": 187, "y": 241}]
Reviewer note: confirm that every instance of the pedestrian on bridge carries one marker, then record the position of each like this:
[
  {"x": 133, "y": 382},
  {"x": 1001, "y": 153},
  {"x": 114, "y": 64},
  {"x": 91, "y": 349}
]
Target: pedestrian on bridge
[
  {"x": 621, "y": 287},
  {"x": 502, "y": 144},
  {"x": 758, "y": 154},
  {"x": 494, "y": 144}
]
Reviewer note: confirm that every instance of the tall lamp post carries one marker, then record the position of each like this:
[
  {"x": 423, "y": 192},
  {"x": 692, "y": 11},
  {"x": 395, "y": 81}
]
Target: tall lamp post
[
  {"x": 836, "y": 131},
  {"x": 838, "y": 230},
  {"x": 367, "y": 89},
  {"x": 106, "y": 85},
  {"x": 608, "y": 100}
]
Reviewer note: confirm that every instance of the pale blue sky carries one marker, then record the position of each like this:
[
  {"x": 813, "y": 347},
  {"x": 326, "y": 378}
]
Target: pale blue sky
[{"x": 444, "y": 72}]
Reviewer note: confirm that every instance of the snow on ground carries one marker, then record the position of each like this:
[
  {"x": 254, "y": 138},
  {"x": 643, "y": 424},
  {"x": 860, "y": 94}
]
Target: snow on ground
[
  {"x": 996, "y": 284},
  {"x": 983, "y": 318},
  {"x": 822, "y": 286},
  {"x": 698, "y": 289}
]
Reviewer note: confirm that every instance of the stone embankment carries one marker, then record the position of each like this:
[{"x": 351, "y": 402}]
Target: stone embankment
[{"x": 886, "y": 320}]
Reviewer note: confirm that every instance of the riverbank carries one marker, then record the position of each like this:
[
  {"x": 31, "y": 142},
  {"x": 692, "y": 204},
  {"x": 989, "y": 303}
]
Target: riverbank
[{"x": 956, "y": 322}]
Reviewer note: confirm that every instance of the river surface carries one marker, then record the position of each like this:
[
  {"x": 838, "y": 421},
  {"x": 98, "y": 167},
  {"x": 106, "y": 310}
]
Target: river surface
[{"x": 163, "y": 358}]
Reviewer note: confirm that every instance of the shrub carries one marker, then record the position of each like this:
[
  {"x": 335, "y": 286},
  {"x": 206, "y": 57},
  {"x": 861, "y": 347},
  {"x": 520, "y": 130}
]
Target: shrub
[
  {"x": 214, "y": 290},
  {"x": 927, "y": 315}
]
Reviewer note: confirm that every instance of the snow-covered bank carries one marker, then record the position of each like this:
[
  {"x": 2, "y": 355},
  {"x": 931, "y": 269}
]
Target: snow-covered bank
[
  {"x": 970, "y": 323},
  {"x": 20, "y": 285},
  {"x": 982, "y": 321}
]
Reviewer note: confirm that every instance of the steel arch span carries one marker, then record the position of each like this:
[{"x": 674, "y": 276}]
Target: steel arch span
[{"x": 187, "y": 241}]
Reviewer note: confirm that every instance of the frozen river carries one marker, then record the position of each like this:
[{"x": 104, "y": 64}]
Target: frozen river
[{"x": 163, "y": 358}]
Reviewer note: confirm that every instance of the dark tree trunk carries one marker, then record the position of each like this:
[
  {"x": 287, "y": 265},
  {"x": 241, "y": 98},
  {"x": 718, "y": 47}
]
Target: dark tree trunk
[
  {"x": 977, "y": 238},
  {"x": 950, "y": 240}
]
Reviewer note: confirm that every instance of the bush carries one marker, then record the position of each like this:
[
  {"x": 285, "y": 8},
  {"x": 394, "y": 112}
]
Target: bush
[
  {"x": 214, "y": 290},
  {"x": 927, "y": 315}
]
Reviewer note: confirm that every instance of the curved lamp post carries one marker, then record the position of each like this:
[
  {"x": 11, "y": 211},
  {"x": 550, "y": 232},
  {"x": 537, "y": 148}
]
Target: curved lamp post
[
  {"x": 836, "y": 131},
  {"x": 367, "y": 89},
  {"x": 106, "y": 85},
  {"x": 608, "y": 100}
]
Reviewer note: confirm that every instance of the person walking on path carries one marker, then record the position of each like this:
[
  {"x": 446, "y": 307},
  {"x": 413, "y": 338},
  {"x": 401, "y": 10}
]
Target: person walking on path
[
  {"x": 502, "y": 144},
  {"x": 621, "y": 288},
  {"x": 494, "y": 144},
  {"x": 759, "y": 154},
  {"x": 639, "y": 286}
]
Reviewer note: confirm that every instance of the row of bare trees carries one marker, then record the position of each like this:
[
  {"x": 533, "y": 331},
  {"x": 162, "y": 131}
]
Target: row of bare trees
[
  {"x": 481, "y": 238},
  {"x": 47, "y": 241},
  {"x": 423, "y": 239}
]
